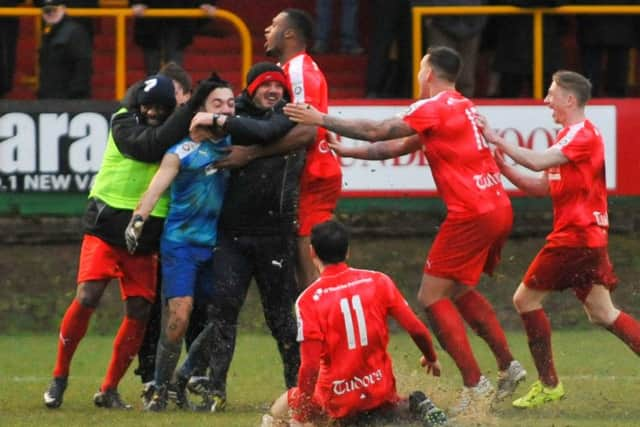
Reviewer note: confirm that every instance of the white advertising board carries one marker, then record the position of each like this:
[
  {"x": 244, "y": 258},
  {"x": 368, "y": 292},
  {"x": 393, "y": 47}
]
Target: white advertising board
[{"x": 527, "y": 125}]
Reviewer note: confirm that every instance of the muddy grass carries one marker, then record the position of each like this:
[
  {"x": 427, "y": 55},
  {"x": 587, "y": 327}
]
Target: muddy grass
[{"x": 37, "y": 282}]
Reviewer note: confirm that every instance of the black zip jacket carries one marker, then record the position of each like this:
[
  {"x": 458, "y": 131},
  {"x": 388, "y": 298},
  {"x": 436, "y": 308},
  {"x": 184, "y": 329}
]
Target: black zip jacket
[{"x": 262, "y": 197}]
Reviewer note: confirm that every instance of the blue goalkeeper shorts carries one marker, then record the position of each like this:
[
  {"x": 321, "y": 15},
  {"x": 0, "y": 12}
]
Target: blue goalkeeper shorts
[{"x": 187, "y": 270}]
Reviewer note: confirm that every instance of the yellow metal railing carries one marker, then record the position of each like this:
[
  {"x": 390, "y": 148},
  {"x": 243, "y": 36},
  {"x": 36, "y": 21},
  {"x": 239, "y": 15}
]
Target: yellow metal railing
[
  {"x": 120, "y": 15},
  {"x": 537, "y": 13}
]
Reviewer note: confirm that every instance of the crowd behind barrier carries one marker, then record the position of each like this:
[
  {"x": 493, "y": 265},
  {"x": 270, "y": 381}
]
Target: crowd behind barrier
[{"x": 510, "y": 49}]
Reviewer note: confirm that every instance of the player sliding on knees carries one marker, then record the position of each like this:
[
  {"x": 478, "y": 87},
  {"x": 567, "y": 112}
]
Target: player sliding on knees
[{"x": 346, "y": 373}]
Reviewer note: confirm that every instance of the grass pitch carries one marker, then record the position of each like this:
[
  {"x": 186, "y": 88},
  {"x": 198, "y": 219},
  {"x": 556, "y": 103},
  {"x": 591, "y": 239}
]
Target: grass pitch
[{"x": 600, "y": 374}]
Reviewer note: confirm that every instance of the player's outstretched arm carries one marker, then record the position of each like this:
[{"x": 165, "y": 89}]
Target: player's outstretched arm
[
  {"x": 364, "y": 129},
  {"x": 161, "y": 180},
  {"x": 238, "y": 156},
  {"x": 530, "y": 159},
  {"x": 146, "y": 143},
  {"x": 535, "y": 185},
  {"x": 376, "y": 151},
  {"x": 419, "y": 333}
]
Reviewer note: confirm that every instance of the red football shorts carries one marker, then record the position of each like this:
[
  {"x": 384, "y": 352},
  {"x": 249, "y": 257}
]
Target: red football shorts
[
  {"x": 560, "y": 268},
  {"x": 317, "y": 203},
  {"x": 318, "y": 415},
  {"x": 465, "y": 248},
  {"x": 137, "y": 273},
  {"x": 315, "y": 412}
]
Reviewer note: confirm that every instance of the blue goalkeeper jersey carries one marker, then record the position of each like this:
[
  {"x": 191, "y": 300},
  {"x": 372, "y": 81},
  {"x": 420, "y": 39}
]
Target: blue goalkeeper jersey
[{"x": 197, "y": 193}]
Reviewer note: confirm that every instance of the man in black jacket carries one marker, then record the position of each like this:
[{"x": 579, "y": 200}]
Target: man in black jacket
[
  {"x": 256, "y": 237},
  {"x": 64, "y": 56},
  {"x": 141, "y": 130}
]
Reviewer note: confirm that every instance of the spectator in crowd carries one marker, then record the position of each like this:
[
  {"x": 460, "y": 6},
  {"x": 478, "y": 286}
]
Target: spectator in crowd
[
  {"x": 575, "y": 254},
  {"x": 89, "y": 22},
  {"x": 459, "y": 32},
  {"x": 479, "y": 215},
  {"x": 348, "y": 27},
  {"x": 182, "y": 81},
  {"x": 64, "y": 56},
  {"x": 256, "y": 234},
  {"x": 513, "y": 59},
  {"x": 605, "y": 42},
  {"x": 190, "y": 231},
  {"x": 9, "y": 27},
  {"x": 390, "y": 50},
  {"x": 333, "y": 355},
  {"x": 86, "y": 22},
  {"x": 164, "y": 39}
]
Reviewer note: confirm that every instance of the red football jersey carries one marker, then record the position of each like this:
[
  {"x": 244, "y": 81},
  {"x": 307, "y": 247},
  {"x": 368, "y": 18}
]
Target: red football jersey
[
  {"x": 309, "y": 85},
  {"x": 346, "y": 309},
  {"x": 578, "y": 189},
  {"x": 462, "y": 165}
]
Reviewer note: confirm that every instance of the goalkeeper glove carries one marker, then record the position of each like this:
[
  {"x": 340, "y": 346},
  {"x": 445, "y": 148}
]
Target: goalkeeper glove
[{"x": 132, "y": 232}]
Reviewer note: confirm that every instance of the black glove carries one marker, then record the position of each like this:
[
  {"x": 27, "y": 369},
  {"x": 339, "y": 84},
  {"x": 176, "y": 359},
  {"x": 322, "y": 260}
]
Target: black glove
[{"x": 132, "y": 232}]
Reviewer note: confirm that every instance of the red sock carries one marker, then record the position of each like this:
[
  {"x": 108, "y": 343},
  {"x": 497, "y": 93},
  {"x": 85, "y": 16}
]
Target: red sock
[
  {"x": 627, "y": 329},
  {"x": 538, "y": 328},
  {"x": 74, "y": 325},
  {"x": 479, "y": 314},
  {"x": 125, "y": 347},
  {"x": 448, "y": 327}
]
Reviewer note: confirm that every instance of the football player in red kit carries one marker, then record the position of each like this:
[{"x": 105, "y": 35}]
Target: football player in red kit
[
  {"x": 575, "y": 254},
  {"x": 346, "y": 372},
  {"x": 479, "y": 215}
]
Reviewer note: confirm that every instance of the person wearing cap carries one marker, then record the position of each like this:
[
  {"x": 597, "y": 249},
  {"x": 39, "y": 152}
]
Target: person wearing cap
[
  {"x": 65, "y": 57},
  {"x": 256, "y": 233},
  {"x": 141, "y": 131}
]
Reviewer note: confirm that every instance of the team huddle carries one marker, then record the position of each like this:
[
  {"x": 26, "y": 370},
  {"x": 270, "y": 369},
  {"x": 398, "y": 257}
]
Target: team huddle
[{"x": 199, "y": 194}]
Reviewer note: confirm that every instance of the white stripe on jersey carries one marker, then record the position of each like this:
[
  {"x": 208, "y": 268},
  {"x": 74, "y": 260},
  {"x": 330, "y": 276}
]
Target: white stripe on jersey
[
  {"x": 300, "y": 336},
  {"x": 573, "y": 130},
  {"x": 296, "y": 78},
  {"x": 186, "y": 148}
]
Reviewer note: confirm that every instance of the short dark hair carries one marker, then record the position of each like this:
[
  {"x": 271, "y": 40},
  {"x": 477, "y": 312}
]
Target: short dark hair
[
  {"x": 445, "y": 62},
  {"x": 205, "y": 87},
  {"x": 301, "y": 23},
  {"x": 177, "y": 73},
  {"x": 575, "y": 83},
  {"x": 330, "y": 241}
]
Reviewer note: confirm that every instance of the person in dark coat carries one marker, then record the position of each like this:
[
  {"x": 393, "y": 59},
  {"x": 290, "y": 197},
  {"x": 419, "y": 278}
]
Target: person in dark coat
[
  {"x": 514, "y": 51},
  {"x": 606, "y": 37},
  {"x": 459, "y": 32},
  {"x": 163, "y": 40},
  {"x": 8, "y": 42},
  {"x": 65, "y": 55}
]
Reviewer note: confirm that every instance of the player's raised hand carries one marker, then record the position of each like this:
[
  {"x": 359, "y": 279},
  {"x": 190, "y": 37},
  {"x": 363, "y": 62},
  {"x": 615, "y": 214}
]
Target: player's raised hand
[
  {"x": 432, "y": 368},
  {"x": 201, "y": 119},
  {"x": 303, "y": 113},
  {"x": 132, "y": 232},
  {"x": 138, "y": 9}
]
